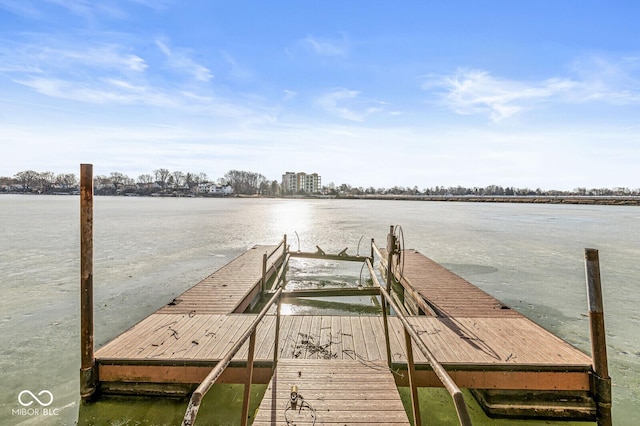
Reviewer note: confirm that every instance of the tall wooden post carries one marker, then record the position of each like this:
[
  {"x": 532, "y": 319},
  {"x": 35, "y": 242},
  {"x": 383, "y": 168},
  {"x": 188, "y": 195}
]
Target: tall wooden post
[
  {"x": 602, "y": 381},
  {"x": 87, "y": 369}
]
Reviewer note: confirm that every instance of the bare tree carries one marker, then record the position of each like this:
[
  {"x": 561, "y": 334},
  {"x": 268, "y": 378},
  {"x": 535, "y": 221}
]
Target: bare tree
[
  {"x": 27, "y": 179},
  {"x": 45, "y": 181},
  {"x": 145, "y": 179},
  {"x": 118, "y": 180},
  {"x": 162, "y": 176},
  {"x": 179, "y": 179},
  {"x": 68, "y": 180},
  {"x": 244, "y": 182}
]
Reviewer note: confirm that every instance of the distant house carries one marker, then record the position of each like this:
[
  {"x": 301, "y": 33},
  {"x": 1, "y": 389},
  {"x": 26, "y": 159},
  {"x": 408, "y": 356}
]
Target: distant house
[{"x": 213, "y": 189}]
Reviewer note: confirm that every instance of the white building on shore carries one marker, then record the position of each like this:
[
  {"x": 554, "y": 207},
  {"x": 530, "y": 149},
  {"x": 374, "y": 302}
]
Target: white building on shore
[
  {"x": 213, "y": 189},
  {"x": 301, "y": 182}
]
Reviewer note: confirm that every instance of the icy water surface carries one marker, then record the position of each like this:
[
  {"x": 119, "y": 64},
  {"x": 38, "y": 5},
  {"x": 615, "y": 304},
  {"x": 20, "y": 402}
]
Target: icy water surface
[{"x": 147, "y": 251}]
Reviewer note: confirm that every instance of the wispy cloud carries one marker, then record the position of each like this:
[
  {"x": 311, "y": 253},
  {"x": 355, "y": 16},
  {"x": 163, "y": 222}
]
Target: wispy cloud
[
  {"x": 101, "y": 92},
  {"x": 326, "y": 46},
  {"x": 48, "y": 58},
  {"x": 471, "y": 91},
  {"x": 288, "y": 95},
  {"x": 103, "y": 74},
  {"x": 90, "y": 9},
  {"x": 86, "y": 9},
  {"x": 348, "y": 104},
  {"x": 613, "y": 80},
  {"x": 477, "y": 92},
  {"x": 180, "y": 59}
]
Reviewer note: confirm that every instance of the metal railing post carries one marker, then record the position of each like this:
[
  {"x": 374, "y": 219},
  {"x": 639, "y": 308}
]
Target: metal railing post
[
  {"x": 276, "y": 344},
  {"x": 411, "y": 368},
  {"x": 385, "y": 320},
  {"x": 247, "y": 385},
  {"x": 264, "y": 272},
  {"x": 385, "y": 323},
  {"x": 373, "y": 242}
]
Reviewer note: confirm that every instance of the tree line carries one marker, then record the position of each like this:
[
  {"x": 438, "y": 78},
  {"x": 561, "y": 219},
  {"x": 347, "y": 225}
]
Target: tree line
[
  {"x": 163, "y": 181},
  {"x": 159, "y": 181}
]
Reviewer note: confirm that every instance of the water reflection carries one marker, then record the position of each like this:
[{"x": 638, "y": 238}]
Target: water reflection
[
  {"x": 297, "y": 216},
  {"x": 311, "y": 274}
]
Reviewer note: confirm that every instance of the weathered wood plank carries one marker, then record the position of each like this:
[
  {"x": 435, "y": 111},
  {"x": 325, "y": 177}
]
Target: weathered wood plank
[
  {"x": 225, "y": 289},
  {"x": 339, "y": 392}
]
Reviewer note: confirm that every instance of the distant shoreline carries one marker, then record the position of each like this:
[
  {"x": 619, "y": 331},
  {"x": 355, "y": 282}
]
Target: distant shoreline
[
  {"x": 527, "y": 199},
  {"x": 611, "y": 200}
]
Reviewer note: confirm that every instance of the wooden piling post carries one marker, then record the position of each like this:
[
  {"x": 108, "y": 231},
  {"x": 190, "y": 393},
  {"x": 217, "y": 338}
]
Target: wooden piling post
[
  {"x": 602, "y": 381},
  {"x": 88, "y": 375}
]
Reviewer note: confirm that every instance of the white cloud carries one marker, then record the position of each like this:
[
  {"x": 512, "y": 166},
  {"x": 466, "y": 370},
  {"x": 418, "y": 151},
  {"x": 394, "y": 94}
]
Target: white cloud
[
  {"x": 109, "y": 91},
  {"x": 100, "y": 73},
  {"x": 180, "y": 59},
  {"x": 477, "y": 92},
  {"x": 612, "y": 80},
  {"x": 59, "y": 57},
  {"x": 348, "y": 104},
  {"x": 288, "y": 95},
  {"x": 469, "y": 91},
  {"x": 326, "y": 46}
]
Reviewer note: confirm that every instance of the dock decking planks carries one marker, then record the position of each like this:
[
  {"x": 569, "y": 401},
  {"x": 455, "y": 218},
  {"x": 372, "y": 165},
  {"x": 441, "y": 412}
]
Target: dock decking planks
[
  {"x": 222, "y": 291},
  {"x": 483, "y": 344},
  {"x": 448, "y": 293},
  {"x": 341, "y": 392}
]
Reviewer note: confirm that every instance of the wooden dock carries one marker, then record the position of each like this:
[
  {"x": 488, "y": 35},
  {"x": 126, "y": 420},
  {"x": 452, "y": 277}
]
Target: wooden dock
[
  {"x": 339, "y": 363},
  {"x": 337, "y": 392}
]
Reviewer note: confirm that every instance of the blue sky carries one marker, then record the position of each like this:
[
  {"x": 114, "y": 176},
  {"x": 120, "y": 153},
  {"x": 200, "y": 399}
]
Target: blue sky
[{"x": 538, "y": 94}]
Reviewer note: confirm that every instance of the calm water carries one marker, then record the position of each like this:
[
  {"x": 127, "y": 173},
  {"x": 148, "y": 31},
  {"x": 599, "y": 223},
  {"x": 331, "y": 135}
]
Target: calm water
[{"x": 147, "y": 251}]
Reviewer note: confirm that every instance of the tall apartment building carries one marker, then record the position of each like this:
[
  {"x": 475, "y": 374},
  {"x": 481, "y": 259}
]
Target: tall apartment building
[{"x": 301, "y": 182}]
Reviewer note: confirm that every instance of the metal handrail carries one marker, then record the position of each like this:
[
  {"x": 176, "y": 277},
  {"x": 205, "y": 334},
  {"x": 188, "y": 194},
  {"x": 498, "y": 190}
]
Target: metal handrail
[
  {"x": 282, "y": 242},
  {"x": 216, "y": 372},
  {"x": 445, "y": 379}
]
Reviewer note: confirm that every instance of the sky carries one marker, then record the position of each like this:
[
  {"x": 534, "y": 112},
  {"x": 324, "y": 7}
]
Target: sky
[{"x": 530, "y": 94}]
